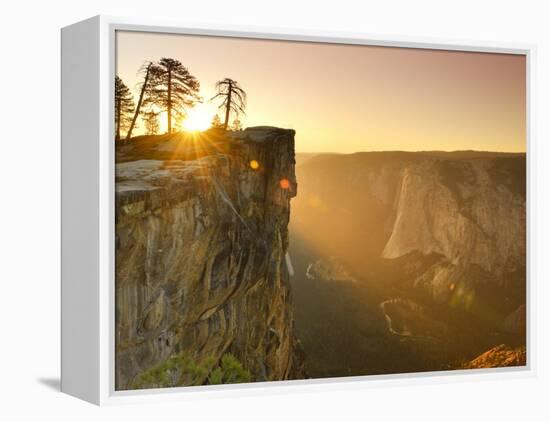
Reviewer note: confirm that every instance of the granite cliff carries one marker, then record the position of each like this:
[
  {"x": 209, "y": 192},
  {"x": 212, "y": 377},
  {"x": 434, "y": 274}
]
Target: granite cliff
[
  {"x": 464, "y": 211},
  {"x": 201, "y": 246},
  {"x": 469, "y": 212},
  {"x": 436, "y": 245}
]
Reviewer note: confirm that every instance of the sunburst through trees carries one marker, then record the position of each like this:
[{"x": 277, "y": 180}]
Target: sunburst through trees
[
  {"x": 173, "y": 89},
  {"x": 168, "y": 88}
]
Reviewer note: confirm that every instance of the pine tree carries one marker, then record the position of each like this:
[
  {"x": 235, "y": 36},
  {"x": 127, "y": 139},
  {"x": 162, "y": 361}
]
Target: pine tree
[
  {"x": 151, "y": 120},
  {"x": 216, "y": 122},
  {"x": 146, "y": 71},
  {"x": 124, "y": 107},
  {"x": 234, "y": 98},
  {"x": 172, "y": 89}
]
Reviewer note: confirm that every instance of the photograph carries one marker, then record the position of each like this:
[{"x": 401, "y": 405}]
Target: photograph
[{"x": 290, "y": 210}]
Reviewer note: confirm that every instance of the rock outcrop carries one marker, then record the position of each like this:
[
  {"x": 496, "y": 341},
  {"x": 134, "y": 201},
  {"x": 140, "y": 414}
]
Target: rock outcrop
[
  {"x": 329, "y": 269},
  {"x": 459, "y": 210},
  {"x": 200, "y": 253},
  {"x": 500, "y": 356}
]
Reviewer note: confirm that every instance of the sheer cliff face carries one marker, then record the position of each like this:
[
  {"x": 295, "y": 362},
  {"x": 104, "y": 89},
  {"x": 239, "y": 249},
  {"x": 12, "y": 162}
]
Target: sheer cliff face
[
  {"x": 466, "y": 210},
  {"x": 469, "y": 212},
  {"x": 462, "y": 210},
  {"x": 200, "y": 257}
]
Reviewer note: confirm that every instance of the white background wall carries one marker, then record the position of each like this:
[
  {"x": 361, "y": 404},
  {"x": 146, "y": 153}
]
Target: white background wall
[{"x": 29, "y": 231}]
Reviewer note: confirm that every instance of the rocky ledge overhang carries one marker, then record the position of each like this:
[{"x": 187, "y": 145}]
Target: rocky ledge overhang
[{"x": 200, "y": 253}]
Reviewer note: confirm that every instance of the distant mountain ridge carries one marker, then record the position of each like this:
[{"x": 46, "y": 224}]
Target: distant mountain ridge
[
  {"x": 458, "y": 154},
  {"x": 467, "y": 208}
]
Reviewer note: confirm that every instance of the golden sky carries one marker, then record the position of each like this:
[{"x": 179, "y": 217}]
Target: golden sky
[{"x": 346, "y": 98}]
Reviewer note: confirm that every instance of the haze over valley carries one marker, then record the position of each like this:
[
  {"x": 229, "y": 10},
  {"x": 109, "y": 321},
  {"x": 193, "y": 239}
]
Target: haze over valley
[{"x": 407, "y": 261}]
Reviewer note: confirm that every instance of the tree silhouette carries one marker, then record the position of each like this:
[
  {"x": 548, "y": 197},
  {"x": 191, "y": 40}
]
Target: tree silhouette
[
  {"x": 124, "y": 107},
  {"x": 216, "y": 122},
  {"x": 237, "y": 125},
  {"x": 234, "y": 98},
  {"x": 172, "y": 88},
  {"x": 151, "y": 120},
  {"x": 146, "y": 71}
]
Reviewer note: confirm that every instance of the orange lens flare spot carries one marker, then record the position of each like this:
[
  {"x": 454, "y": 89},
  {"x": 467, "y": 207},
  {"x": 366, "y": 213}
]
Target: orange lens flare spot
[
  {"x": 254, "y": 164},
  {"x": 284, "y": 183}
]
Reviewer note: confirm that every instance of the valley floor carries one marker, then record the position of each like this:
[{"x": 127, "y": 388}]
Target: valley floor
[{"x": 376, "y": 326}]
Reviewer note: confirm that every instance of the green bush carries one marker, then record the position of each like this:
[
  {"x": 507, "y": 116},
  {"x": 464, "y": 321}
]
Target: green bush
[
  {"x": 181, "y": 370},
  {"x": 233, "y": 371}
]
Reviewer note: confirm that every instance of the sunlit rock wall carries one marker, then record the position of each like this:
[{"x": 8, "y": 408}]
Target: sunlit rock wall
[
  {"x": 461, "y": 213},
  {"x": 200, "y": 258}
]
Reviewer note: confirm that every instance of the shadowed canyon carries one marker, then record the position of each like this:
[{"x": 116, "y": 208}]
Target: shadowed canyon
[{"x": 408, "y": 261}]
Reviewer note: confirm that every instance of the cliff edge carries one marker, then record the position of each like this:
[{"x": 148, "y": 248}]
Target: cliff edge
[{"x": 201, "y": 246}]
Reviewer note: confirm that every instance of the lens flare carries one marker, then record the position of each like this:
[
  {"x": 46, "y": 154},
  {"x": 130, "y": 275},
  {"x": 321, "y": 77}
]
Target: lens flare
[
  {"x": 284, "y": 183},
  {"x": 254, "y": 164}
]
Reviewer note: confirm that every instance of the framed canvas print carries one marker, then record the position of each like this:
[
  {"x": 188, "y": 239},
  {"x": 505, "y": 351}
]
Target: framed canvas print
[{"x": 248, "y": 210}]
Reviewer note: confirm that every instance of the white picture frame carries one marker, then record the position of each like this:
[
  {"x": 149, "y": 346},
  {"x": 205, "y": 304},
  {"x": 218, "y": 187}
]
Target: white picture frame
[{"x": 88, "y": 68}]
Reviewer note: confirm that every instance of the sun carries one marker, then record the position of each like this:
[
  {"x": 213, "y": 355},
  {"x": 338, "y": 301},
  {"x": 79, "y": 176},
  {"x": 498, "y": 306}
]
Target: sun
[{"x": 198, "y": 119}]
